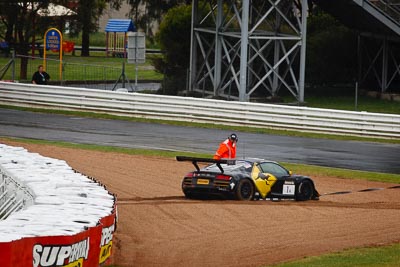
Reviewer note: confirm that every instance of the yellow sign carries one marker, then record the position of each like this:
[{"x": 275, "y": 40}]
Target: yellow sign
[
  {"x": 78, "y": 263},
  {"x": 53, "y": 40},
  {"x": 105, "y": 252}
]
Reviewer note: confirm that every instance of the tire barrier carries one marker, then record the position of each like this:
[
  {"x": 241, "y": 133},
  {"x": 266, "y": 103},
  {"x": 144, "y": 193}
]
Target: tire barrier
[{"x": 52, "y": 215}]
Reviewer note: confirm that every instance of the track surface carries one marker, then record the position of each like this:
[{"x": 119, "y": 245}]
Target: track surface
[
  {"x": 332, "y": 153},
  {"x": 158, "y": 227}
]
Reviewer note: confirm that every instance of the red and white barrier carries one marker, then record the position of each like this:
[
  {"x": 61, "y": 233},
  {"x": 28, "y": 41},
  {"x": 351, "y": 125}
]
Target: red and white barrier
[{"x": 67, "y": 218}]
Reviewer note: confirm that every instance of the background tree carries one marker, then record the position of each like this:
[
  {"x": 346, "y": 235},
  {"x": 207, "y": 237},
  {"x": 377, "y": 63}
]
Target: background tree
[
  {"x": 174, "y": 41},
  {"x": 331, "y": 51},
  {"x": 20, "y": 23},
  {"x": 88, "y": 13},
  {"x": 147, "y": 13},
  {"x": 20, "y": 20}
]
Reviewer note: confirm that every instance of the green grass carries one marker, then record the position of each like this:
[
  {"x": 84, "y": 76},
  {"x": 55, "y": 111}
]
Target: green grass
[
  {"x": 348, "y": 103},
  {"x": 94, "y": 68},
  {"x": 146, "y": 72},
  {"x": 384, "y": 256},
  {"x": 96, "y": 39},
  {"x": 342, "y": 173},
  {"x": 343, "y": 98},
  {"x": 129, "y": 151},
  {"x": 83, "y": 65},
  {"x": 367, "y": 257}
]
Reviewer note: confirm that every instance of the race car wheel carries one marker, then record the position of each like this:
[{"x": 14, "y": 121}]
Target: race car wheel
[
  {"x": 188, "y": 195},
  {"x": 245, "y": 190},
  {"x": 305, "y": 190}
]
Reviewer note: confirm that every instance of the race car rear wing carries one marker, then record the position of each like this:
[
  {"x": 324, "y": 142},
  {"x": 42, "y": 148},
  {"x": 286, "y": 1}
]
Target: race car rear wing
[{"x": 195, "y": 161}]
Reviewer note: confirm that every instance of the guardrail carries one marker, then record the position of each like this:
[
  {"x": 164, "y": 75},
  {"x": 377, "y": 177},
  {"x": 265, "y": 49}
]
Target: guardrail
[{"x": 202, "y": 110}]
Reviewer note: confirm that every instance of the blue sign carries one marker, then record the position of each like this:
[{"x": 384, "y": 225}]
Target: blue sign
[{"x": 53, "y": 40}]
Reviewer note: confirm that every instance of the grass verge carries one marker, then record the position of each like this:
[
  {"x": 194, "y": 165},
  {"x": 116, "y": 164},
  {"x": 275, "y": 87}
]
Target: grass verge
[
  {"x": 365, "y": 103},
  {"x": 93, "y": 68},
  {"x": 129, "y": 151},
  {"x": 388, "y": 256},
  {"x": 312, "y": 170}
]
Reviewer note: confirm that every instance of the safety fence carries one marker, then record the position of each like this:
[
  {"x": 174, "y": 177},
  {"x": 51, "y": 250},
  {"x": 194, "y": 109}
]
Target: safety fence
[
  {"x": 202, "y": 110},
  {"x": 55, "y": 216},
  {"x": 87, "y": 75}
]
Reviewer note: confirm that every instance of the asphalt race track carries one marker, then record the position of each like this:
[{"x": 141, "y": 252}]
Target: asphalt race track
[{"x": 366, "y": 156}]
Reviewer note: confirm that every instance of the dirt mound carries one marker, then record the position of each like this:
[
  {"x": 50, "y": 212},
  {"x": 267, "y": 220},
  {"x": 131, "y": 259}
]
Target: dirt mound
[{"x": 159, "y": 227}]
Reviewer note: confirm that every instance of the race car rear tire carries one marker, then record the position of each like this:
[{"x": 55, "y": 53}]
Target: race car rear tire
[
  {"x": 244, "y": 190},
  {"x": 305, "y": 190},
  {"x": 188, "y": 195}
]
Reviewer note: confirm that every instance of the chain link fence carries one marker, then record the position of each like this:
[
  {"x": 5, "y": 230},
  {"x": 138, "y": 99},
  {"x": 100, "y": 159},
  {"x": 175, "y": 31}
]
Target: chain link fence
[{"x": 67, "y": 73}]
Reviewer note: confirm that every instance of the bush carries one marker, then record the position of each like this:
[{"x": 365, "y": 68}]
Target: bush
[
  {"x": 331, "y": 51},
  {"x": 174, "y": 40}
]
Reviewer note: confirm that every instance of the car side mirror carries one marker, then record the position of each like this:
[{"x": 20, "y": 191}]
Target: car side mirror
[{"x": 290, "y": 172}]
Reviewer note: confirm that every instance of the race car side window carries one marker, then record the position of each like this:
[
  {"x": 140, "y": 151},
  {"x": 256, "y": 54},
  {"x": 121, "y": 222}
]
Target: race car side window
[
  {"x": 274, "y": 169},
  {"x": 258, "y": 166},
  {"x": 245, "y": 164}
]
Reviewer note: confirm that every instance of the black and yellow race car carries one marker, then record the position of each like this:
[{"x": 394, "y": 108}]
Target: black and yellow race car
[{"x": 245, "y": 179}]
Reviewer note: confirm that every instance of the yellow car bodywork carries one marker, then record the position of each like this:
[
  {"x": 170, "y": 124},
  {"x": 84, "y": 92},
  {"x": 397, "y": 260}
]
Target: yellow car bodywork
[{"x": 263, "y": 184}]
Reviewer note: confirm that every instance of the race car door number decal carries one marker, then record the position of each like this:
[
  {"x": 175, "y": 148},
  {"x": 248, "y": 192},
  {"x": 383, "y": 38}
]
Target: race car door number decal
[
  {"x": 202, "y": 181},
  {"x": 288, "y": 189}
]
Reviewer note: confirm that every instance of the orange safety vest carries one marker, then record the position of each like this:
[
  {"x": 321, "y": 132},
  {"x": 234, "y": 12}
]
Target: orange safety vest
[{"x": 226, "y": 150}]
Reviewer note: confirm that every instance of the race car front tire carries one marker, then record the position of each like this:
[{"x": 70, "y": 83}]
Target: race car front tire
[
  {"x": 244, "y": 190},
  {"x": 305, "y": 190}
]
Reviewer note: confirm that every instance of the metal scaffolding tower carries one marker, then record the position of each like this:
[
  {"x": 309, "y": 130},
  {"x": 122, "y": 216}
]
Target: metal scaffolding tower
[
  {"x": 241, "y": 49},
  {"x": 378, "y": 26},
  {"x": 378, "y": 62}
]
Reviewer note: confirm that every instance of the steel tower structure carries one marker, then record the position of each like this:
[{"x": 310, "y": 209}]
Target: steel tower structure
[
  {"x": 246, "y": 48},
  {"x": 378, "y": 49}
]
